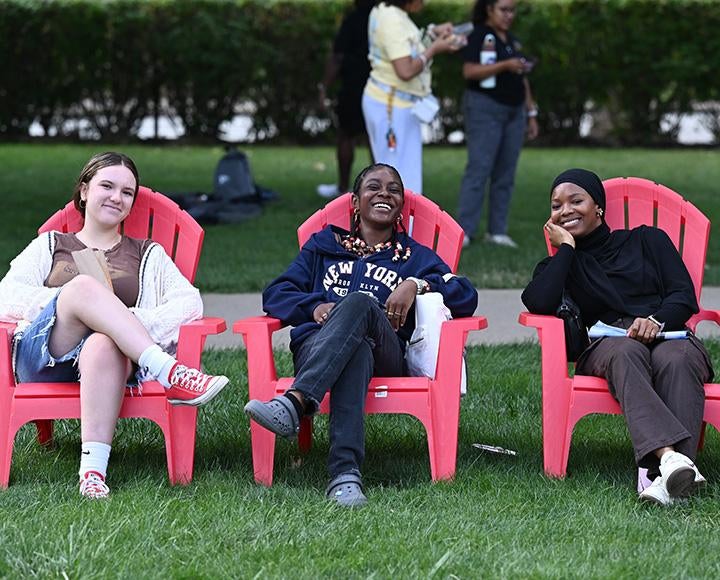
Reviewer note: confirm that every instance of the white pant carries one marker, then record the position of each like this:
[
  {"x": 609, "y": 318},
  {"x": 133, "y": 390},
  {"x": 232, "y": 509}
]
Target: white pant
[{"x": 407, "y": 156}]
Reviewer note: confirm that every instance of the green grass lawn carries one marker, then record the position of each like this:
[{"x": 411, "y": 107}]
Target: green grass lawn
[
  {"x": 500, "y": 517},
  {"x": 37, "y": 179}
]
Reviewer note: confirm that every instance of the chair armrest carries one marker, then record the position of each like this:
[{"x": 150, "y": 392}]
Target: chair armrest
[
  {"x": 548, "y": 326},
  {"x": 551, "y": 335},
  {"x": 465, "y": 325},
  {"x": 7, "y": 329},
  {"x": 257, "y": 334},
  {"x": 192, "y": 339},
  {"x": 453, "y": 335},
  {"x": 6, "y": 373},
  {"x": 703, "y": 316},
  {"x": 256, "y": 326}
]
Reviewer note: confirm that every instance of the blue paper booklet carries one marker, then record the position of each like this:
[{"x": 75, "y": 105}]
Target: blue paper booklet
[{"x": 600, "y": 329}]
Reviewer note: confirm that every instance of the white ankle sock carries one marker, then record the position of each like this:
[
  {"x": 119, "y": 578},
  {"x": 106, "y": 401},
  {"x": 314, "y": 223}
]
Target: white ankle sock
[
  {"x": 667, "y": 455},
  {"x": 158, "y": 363},
  {"x": 94, "y": 457}
]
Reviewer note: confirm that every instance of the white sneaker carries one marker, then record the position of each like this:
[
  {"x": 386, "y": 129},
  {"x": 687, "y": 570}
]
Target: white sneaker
[
  {"x": 678, "y": 473},
  {"x": 501, "y": 240},
  {"x": 700, "y": 481},
  {"x": 328, "y": 190},
  {"x": 657, "y": 493},
  {"x": 466, "y": 241}
]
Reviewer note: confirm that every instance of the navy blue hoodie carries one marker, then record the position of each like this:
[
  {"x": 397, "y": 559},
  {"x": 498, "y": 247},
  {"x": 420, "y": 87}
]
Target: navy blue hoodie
[{"x": 325, "y": 272}]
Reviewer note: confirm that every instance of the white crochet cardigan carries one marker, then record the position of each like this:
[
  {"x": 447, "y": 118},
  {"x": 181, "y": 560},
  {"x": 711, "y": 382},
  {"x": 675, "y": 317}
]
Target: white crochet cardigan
[{"x": 166, "y": 299}]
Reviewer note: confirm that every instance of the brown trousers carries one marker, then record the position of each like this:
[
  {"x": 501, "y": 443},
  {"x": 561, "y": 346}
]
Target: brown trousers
[{"x": 659, "y": 388}]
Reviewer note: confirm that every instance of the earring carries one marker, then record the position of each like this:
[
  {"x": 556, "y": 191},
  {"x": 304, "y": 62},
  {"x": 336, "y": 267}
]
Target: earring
[
  {"x": 600, "y": 212},
  {"x": 399, "y": 219},
  {"x": 82, "y": 203}
]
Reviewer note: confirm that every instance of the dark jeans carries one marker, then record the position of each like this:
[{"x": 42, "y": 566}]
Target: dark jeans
[
  {"x": 660, "y": 389},
  {"x": 356, "y": 342},
  {"x": 495, "y": 134}
]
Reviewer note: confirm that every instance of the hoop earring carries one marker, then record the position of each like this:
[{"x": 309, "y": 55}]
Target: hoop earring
[
  {"x": 82, "y": 203},
  {"x": 401, "y": 223}
]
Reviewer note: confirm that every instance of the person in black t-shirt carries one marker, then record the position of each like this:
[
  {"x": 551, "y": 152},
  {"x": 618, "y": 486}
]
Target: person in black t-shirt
[
  {"x": 498, "y": 110},
  {"x": 349, "y": 62}
]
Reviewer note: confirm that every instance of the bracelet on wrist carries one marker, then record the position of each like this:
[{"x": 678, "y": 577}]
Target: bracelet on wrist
[
  {"x": 532, "y": 112},
  {"x": 422, "y": 285},
  {"x": 654, "y": 320}
]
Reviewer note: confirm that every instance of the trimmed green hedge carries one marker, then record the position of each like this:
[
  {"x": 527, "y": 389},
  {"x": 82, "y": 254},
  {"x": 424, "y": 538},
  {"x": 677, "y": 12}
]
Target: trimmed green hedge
[{"x": 112, "y": 63}]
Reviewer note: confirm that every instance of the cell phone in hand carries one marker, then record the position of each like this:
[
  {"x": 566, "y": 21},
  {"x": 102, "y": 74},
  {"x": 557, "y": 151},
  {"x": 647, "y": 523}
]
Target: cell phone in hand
[
  {"x": 458, "y": 40},
  {"x": 463, "y": 29},
  {"x": 529, "y": 63}
]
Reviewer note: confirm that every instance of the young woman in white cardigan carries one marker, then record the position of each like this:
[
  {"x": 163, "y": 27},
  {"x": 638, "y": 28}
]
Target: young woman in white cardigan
[{"x": 71, "y": 327}]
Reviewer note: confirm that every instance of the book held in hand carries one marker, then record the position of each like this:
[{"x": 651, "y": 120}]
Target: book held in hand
[
  {"x": 92, "y": 263},
  {"x": 600, "y": 329}
]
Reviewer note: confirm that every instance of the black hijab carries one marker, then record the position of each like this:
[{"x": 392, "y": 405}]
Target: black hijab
[
  {"x": 589, "y": 181},
  {"x": 634, "y": 272}
]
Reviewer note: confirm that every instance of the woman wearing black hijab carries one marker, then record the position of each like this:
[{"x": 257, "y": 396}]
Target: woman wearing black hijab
[{"x": 634, "y": 279}]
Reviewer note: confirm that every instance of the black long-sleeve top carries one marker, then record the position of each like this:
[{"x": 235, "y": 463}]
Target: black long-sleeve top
[{"x": 634, "y": 272}]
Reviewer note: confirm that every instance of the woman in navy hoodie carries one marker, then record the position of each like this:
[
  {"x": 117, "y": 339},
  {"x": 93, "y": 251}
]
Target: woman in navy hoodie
[{"x": 349, "y": 296}]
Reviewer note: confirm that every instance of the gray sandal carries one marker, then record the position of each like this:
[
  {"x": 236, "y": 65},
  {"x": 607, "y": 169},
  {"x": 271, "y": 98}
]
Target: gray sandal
[
  {"x": 346, "y": 490},
  {"x": 277, "y": 415}
]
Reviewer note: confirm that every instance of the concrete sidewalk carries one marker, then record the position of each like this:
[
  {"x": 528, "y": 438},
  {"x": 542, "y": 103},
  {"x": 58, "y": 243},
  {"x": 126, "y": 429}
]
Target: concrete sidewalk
[{"x": 500, "y": 307}]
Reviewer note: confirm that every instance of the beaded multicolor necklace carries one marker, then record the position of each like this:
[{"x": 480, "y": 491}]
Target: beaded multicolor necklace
[{"x": 358, "y": 246}]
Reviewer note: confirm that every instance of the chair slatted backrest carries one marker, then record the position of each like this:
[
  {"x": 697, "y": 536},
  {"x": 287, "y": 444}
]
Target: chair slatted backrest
[
  {"x": 633, "y": 201},
  {"x": 432, "y": 226},
  {"x": 153, "y": 216}
]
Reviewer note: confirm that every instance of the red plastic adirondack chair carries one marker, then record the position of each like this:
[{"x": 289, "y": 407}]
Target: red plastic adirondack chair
[
  {"x": 435, "y": 402},
  {"x": 631, "y": 202},
  {"x": 153, "y": 216}
]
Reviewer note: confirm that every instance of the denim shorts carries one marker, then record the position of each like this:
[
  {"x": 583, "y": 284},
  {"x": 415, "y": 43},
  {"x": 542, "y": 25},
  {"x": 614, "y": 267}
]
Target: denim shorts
[{"x": 32, "y": 358}]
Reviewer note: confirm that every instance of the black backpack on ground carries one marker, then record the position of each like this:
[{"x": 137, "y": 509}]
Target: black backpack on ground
[
  {"x": 233, "y": 179},
  {"x": 235, "y": 198}
]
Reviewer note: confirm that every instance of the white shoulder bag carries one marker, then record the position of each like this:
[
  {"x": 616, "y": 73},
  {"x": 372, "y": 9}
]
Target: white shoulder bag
[
  {"x": 422, "y": 349},
  {"x": 426, "y": 109}
]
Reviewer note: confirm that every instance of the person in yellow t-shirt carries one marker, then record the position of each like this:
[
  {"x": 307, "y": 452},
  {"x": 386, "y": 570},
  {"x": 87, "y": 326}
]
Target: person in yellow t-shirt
[{"x": 400, "y": 55}]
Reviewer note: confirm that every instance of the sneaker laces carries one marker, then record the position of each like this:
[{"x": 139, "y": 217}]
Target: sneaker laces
[
  {"x": 188, "y": 379},
  {"x": 93, "y": 486}
]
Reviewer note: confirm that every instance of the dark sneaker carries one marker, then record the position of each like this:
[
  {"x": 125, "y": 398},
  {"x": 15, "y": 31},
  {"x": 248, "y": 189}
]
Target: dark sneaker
[
  {"x": 277, "y": 415},
  {"x": 193, "y": 387},
  {"x": 346, "y": 490}
]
